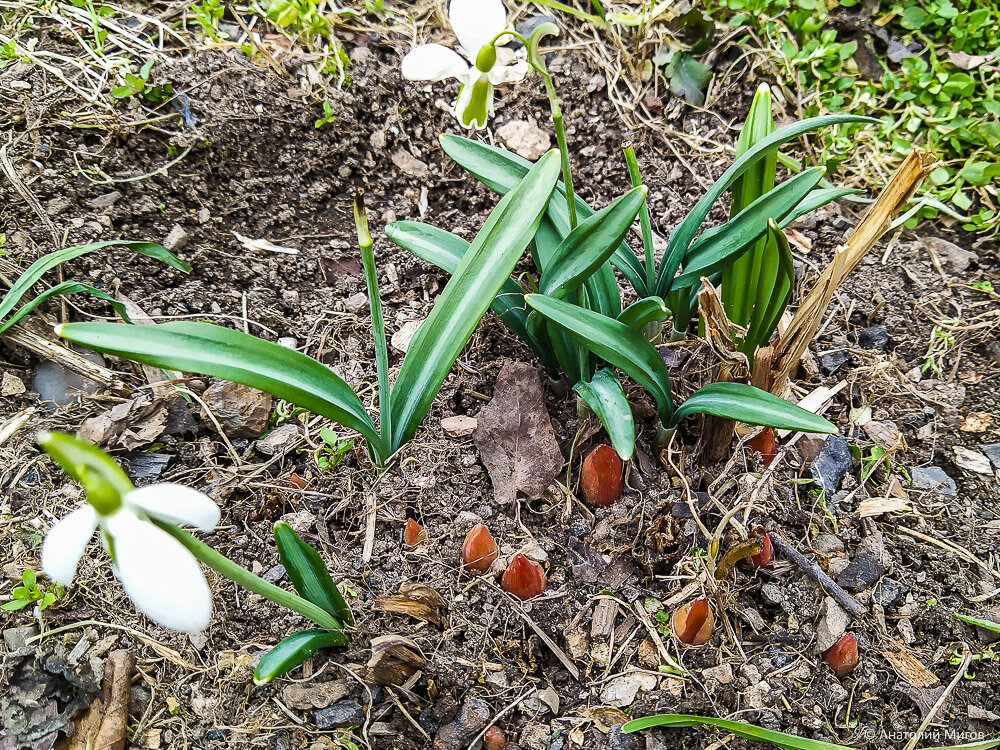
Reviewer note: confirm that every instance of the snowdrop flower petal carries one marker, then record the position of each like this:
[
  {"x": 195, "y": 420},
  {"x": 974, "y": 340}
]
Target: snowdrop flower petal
[
  {"x": 475, "y": 103},
  {"x": 160, "y": 576},
  {"x": 65, "y": 542},
  {"x": 476, "y": 22},
  {"x": 177, "y": 504},
  {"x": 509, "y": 73},
  {"x": 432, "y": 62}
]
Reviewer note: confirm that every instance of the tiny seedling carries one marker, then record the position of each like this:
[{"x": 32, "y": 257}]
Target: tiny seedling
[
  {"x": 332, "y": 451},
  {"x": 207, "y": 14},
  {"x": 154, "y": 93},
  {"x": 29, "y": 592},
  {"x": 328, "y": 115}
]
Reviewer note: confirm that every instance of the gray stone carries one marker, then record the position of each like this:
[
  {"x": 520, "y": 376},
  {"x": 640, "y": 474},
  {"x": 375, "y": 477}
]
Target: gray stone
[
  {"x": 833, "y": 361},
  {"x": 618, "y": 740},
  {"x": 274, "y": 574},
  {"x": 828, "y": 544},
  {"x": 471, "y": 720},
  {"x": 772, "y": 594},
  {"x": 340, "y": 714},
  {"x": 832, "y": 625},
  {"x": 832, "y": 464},
  {"x": 871, "y": 562},
  {"x": 953, "y": 256},
  {"x": 58, "y": 386},
  {"x": 875, "y": 337},
  {"x": 176, "y": 239},
  {"x": 887, "y": 592},
  {"x": 356, "y": 303},
  {"x": 16, "y": 638},
  {"x": 993, "y": 454},
  {"x": 933, "y": 478},
  {"x": 105, "y": 201}
]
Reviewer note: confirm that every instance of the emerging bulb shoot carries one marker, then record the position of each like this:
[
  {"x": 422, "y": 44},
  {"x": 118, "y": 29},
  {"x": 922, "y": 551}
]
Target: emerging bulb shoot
[
  {"x": 765, "y": 444},
  {"x": 762, "y": 559},
  {"x": 842, "y": 656},
  {"x": 479, "y": 550},
  {"x": 694, "y": 623},
  {"x": 524, "y": 578},
  {"x": 414, "y": 533},
  {"x": 494, "y": 738},
  {"x": 601, "y": 476}
]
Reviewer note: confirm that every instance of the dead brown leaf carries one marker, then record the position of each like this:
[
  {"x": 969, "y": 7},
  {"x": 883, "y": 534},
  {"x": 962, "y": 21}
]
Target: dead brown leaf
[
  {"x": 515, "y": 437},
  {"x": 394, "y": 659},
  {"x": 415, "y": 600},
  {"x": 908, "y": 666},
  {"x": 104, "y": 725}
]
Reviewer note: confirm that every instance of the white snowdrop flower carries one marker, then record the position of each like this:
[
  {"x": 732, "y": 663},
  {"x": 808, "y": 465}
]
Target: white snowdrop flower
[
  {"x": 161, "y": 577},
  {"x": 476, "y": 24}
]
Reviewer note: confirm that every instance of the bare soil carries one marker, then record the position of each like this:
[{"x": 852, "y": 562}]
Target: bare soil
[{"x": 255, "y": 164}]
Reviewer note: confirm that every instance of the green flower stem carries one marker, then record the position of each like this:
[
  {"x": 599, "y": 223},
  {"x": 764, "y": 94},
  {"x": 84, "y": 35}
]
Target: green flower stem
[
  {"x": 644, "y": 220},
  {"x": 378, "y": 324},
  {"x": 537, "y": 61},
  {"x": 243, "y": 577},
  {"x": 562, "y": 7}
]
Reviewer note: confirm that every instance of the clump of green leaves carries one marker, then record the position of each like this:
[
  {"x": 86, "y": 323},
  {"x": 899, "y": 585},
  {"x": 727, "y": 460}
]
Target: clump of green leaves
[
  {"x": 333, "y": 450},
  {"x": 29, "y": 592},
  {"x": 154, "y": 93},
  {"x": 936, "y": 89},
  {"x": 207, "y": 15}
]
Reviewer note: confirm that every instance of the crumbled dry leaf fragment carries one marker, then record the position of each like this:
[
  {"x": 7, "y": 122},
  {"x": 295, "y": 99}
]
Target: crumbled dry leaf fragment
[
  {"x": 907, "y": 665},
  {"x": 459, "y": 426},
  {"x": 394, "y": 659},
  {"x": 415, "y": 600},
  {"x": 979, "y": 421},
  {"x": 106, "y": 721},
  {"x": 515, "y": 437}
]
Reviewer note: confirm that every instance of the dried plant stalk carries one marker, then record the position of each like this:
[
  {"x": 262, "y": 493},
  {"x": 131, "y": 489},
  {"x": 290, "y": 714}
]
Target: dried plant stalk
[{"x": 786, "y": 354}]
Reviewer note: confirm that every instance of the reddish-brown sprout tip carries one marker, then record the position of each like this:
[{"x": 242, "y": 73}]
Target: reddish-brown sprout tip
[
  {"x": 479, "y": 550},
  {"x": 694, "y": 622},
  {"x": 842, "y": 656},
  {"x": 762, "y": 559},
  {"x": 297, "y": 483},
  {"x": 524, "y": 578},
  {"x": 494, "y": 738},
  {"x": 601, "y": 476},
  {"x": 765, "y": 444},
  {"x": 414, "y": 533}
]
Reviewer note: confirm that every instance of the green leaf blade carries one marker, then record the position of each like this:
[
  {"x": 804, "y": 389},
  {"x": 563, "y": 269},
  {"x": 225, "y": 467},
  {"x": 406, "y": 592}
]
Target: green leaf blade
[
  {"x": 308, "y": 573},
  {"x": 604, "y": 394},
  {"x": 745, "y": 403},
  {"x": 293, "y": 650},
  {"x": 219, "y": 352},
  {"x": 478, "y": 278}
]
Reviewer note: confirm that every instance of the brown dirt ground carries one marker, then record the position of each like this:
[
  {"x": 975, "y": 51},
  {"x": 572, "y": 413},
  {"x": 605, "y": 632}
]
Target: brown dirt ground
[{"x": 258, "y": 166}]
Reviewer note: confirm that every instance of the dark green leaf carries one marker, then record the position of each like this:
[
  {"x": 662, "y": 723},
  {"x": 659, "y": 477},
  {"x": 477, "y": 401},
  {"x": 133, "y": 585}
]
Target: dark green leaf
[
  {"x": 613, "y": 341},
  {"x": 207, "y": 349},
  {"x": 604, "y": 394},
  {"x": 688, "y": 78},
  {"x": 294, "y": 650},
  {"x": 745, "y": 403},
  {"x": 308, "y": 573},
  {"x": 643, "y": 312},
  {"x": 481, "y": 273}
]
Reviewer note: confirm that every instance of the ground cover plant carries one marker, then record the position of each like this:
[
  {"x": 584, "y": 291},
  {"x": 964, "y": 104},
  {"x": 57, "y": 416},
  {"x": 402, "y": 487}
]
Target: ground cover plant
[{"x": 420, "y": 538}]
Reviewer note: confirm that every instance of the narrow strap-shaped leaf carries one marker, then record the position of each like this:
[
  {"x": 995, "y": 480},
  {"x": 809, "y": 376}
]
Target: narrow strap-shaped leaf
[
  {"x": 62, "y": 290},
  {"x": 293, "y": 650},
  {"x": 613, "y": 341},
  {"x": 208, "y": 349},
  {"x": 500, "y": 170},
  {"x": 739, "y": 728},
  {"x": 643, "y": 312},
  {"x": 739, "y": 277},
  {"x": 308, "y": 573},
  {"x": 815, "y": 199},
  {"x": 775, "y": 282},
  {"x": 366, "y": 246},
  {"x": 446, "y": 250},
  {"x": 680, "y": 239},
  {"x": 745, "y": 403},
  {"x": 480, "y": 275},
  {"x": 590, "y": 245},
  {"x": 50, "y": 260},
  {"x": 604, "y": 394},
  {"x": 719, "y": 245}
]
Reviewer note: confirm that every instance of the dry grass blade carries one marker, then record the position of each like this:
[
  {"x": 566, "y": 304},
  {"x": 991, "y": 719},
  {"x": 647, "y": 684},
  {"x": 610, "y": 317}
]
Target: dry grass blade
[{"x": 807, "y": 319}]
